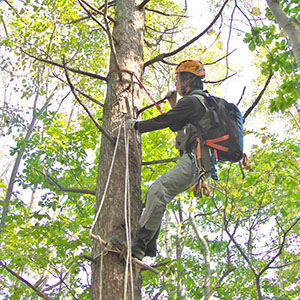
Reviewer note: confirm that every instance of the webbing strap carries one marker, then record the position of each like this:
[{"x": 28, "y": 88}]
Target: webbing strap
[
  {"x": 213, "y": 143},
  {"x": 198, "y": 148},
  {"x": 141, "y": 84}
]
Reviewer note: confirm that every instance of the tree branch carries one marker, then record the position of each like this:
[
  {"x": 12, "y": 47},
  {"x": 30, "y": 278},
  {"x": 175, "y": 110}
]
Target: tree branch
[
  {"x": 154, "y": 162},
  {"x": 164, "y": 55},
  {"x": 171, "y": 97},
  {"x": 241, "y": 252},
  {"x": 52, "y": 182},
  {"x": 100, "y": 128},
  {"x": 217, "y": 285},
  {"x": 285, "y": 265},
  {"x": 97, "y": 11},
  {"x": 143, "y": 4},
  {"x": 50, "y": 62},
  {"x": 221, "y": 80},
  {"x": 280, "y": 248},
  {"x": 20, "y": 154},
  {"x": 111, "y": 42},
  {"x": 219, "y": 59},
  {"x": 206, "y": 254},
  {"x": 80, "y": 92},
  {"x": 41, "y": 294},
  {"x": 82, "y": 2},
  {"x": 165, "y": 14},
  {"x": 258, "y": 97}
]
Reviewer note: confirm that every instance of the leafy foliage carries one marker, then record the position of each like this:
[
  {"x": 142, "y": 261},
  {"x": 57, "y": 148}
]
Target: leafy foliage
[
  {"x": 249, "y": 224},
  {"x": 280, "y": 57}
]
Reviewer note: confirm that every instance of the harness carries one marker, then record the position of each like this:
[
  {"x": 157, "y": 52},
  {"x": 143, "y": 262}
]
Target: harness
[{"x": 199, "y": 186}]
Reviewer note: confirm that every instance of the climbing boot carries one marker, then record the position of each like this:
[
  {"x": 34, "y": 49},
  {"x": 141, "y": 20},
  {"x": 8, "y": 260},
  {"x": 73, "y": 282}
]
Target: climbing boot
[
  {"x": 139, "y": 244},
  {"x": 152, "y": 245}
]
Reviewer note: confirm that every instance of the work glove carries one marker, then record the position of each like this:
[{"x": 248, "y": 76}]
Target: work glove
[
  {"x": 129, "y": 124},
  {"x": 172, "y": 98}
]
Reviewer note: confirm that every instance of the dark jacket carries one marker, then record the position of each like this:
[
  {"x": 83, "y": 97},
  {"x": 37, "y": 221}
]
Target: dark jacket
[{"x": 187, "y": 110}]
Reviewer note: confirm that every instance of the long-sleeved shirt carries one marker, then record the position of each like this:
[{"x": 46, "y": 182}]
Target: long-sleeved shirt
[{"x": 187, "y": 110}]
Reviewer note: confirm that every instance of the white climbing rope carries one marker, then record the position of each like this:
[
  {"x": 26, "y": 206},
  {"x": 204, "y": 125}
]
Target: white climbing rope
[
  {"x": 108, "y": 179},
  {"x": 127, "y": 216},
  {"x": 101, "y": 275},
  {"x": 100, "y": 207}
]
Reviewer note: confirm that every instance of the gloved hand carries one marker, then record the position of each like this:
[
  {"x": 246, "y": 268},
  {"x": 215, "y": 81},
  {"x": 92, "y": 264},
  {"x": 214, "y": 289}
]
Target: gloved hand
[
  {"x": 129, "y": 124},
  {"x": 172, "y": 98}
]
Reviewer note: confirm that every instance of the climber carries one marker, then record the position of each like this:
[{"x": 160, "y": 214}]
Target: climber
[{"x": 188, "y": 110}]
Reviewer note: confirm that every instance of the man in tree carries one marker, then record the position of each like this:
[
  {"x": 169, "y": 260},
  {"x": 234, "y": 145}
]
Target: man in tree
[{"x": 182, "y": 118}]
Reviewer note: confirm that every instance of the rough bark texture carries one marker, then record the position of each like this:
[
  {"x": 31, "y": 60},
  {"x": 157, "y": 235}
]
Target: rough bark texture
[
  {"x": 128, "y": 42},
  {"x": 289, "y": 25}
]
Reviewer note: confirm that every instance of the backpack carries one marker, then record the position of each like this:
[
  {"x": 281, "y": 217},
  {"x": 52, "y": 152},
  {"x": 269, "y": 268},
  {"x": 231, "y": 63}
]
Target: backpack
[{"x": 221, "y": 128}]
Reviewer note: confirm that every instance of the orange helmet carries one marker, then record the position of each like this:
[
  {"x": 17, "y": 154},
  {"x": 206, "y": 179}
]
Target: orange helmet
[{"x": 192, "y": 66}]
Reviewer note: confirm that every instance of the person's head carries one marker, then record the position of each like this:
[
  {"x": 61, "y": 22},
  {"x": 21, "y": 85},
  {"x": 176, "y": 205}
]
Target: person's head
[{"x": 189, "y": 74}]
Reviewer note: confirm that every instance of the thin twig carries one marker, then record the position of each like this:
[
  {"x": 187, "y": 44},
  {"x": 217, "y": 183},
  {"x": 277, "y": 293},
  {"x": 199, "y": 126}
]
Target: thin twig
[
  {"x": 295, "y": 120},
  {"x": 221, "y": 80},
  {"x": 217, "y": 285},
  {"x": 111, "y": 42},
  {"x": 80, "y": 92},
  {"x": 225, "y": 56},
  {"x": 165, "y": 14},
  {"x": 82, "y": 2},
  {"x": 249, "y": 110},
  {"x": 41, "y": 294},
  {"x": 243, "y": 92},
  {"x": 151, "y": 105},
  {"x": 280, "y": 248},
  {"x": 164, "y": 55},
  {"x": 100, "y": 128},
  {"x": 53, "y": 63},
  {"x": 229, "y": 39},
  {"x": 52, "y": 182},
  {"x": 97, "y": 11}
]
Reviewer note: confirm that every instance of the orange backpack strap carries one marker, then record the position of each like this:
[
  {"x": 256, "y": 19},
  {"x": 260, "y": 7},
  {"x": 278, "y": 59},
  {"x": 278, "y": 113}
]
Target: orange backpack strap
[{"x": 213, "y": 143}]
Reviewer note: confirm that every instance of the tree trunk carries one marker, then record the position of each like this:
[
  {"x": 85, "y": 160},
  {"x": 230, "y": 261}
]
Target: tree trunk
[
  {"x": 289, "y": 25},
  {"x": 13, "y": 175},
  {"x": 128, "y": 46}
]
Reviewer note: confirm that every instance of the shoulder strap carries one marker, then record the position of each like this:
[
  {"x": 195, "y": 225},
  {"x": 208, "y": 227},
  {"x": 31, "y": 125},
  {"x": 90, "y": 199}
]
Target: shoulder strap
[
  {"x": 202, "y": 100},
  {"x": 201, "y": 96},
  {"x": 210, "y": 118}
]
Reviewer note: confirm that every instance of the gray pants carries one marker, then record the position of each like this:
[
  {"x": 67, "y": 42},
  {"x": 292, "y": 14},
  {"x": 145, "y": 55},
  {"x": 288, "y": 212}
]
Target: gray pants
[{"x": 164, "y": 189}]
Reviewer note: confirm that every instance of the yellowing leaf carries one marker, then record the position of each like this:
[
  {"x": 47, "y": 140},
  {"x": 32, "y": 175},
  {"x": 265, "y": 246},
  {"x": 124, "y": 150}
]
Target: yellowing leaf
[
  {"x": 219, "y": 45},
  {"x": 191, "y": 209},
  {"x": 255, "y": 12}
]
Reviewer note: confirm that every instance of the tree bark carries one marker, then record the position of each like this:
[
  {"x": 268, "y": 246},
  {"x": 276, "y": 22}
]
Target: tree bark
[
  {"x": 127, "y": 37},
  {"x": 289, "y": 25}
]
